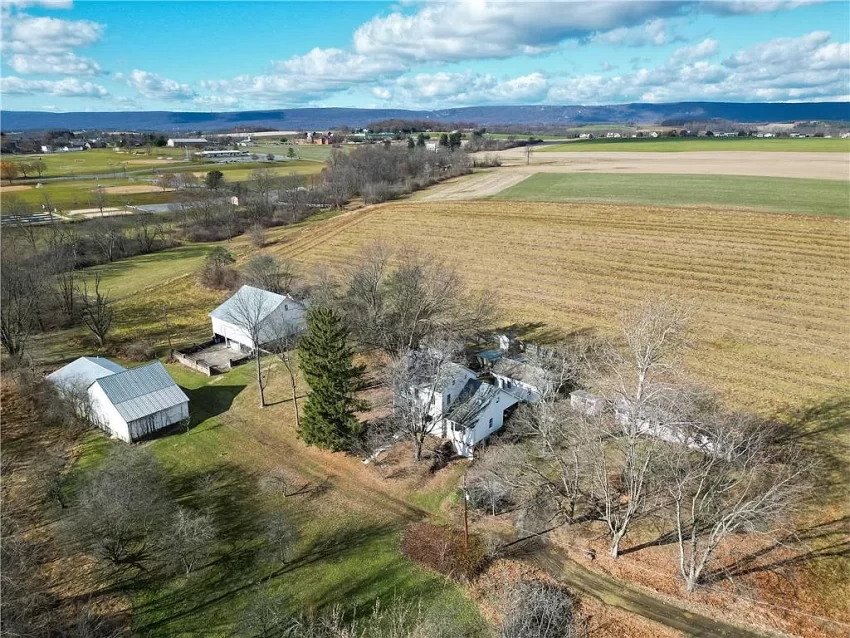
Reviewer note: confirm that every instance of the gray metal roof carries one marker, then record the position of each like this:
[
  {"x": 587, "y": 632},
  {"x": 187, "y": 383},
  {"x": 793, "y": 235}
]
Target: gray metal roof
[
  {"x": 142, "y": 391},
  {"x": 474, "y": 399},
  {"x": 250, "y": 295},
  {"x": 83, "y": 372}
]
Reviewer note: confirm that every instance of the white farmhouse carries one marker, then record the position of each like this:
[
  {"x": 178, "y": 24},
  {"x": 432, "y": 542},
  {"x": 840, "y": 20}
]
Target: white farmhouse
[
  {"x": 465, "y": 410},
  {"x": 178, "y": 142},
  {"x": 522, "y": 379},
  {"x": 250, "y": 305},
  {"x": 130, "y": 404}
]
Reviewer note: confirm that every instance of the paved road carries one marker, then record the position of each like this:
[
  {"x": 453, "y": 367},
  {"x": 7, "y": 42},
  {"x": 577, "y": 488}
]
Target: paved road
[{"x": 614, "y": 593}]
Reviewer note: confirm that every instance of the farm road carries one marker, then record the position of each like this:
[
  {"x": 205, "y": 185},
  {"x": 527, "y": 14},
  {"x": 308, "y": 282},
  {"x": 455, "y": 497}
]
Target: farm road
[{"x": 617, "y": 594}]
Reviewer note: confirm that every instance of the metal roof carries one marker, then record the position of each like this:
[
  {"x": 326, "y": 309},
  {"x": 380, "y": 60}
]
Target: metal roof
[
  {"x": 84, "y": 371},
  {"x": 250, "y": 295},
  {"x": 142, "y": 391},
  {"x": 474, "y": 399}
]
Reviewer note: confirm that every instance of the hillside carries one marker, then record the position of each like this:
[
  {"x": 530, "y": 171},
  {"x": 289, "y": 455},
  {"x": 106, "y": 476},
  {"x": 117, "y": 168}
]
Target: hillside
[{"x": 325, "y": 118}]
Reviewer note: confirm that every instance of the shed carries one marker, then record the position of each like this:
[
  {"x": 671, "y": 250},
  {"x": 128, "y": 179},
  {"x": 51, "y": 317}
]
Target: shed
[
  {"x": 268, "y": 309},
  {"x": 138, "y": 402},
  {"x": 81, "y": 373}
]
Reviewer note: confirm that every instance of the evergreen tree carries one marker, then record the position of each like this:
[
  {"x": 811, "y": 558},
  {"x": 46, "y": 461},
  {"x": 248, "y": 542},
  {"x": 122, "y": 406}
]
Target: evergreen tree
[{"x": 327, "y": 363}]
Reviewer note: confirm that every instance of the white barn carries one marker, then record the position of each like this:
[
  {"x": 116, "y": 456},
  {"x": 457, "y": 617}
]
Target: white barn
[
  {"x": 177, "y": 142},
  {"x": 129, "y": 403},
  {"x": 465, "y": 410},
  {"x": 270, "y": 310}
]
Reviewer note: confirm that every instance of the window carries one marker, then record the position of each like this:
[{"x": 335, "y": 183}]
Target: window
[{"x": 490, "y": 426}]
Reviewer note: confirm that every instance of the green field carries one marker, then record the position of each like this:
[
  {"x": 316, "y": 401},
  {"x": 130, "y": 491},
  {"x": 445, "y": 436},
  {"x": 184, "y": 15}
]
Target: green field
[
  {"x": 681, "y": 144},
  {"x": 99, "y": 161},
  {"x": 79, "y": 193},
  {"x": 775, "y": 194},
  {"x": 310, "y": 152}
]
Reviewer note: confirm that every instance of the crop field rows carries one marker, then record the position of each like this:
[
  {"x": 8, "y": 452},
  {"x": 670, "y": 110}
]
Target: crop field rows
[{"x": 770, "y": 290}]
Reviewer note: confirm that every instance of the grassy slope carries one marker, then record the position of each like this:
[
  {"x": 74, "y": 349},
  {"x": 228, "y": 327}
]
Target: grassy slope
[
  {"x": 99, "y": 160},
  {"x": 679, "y": 144},
  {"x": 807, "y": 196},
  {"x": 348, "y": 551}
]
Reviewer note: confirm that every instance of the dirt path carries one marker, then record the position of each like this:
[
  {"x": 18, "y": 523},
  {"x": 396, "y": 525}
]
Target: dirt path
[
  {"x": 475, "y": 186},
  {"x": 617, "y": 594}
]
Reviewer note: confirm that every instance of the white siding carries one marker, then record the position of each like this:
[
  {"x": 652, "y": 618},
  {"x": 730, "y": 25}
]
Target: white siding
[
  {"x": 107, "y": 415},
  {"x": 524, "y": 391},
  {"x": 154, "y": 422},
  {"x": 464, "y": 439},
  {"x": 292, "y": 313}
]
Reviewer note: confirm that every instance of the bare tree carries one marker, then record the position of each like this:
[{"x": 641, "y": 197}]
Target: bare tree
[
  {"x": 20, "y": 296},
  {"x": 538, "y": 609},
  {"x": 146, "y": 231},
  {"x": 269, "y": 273},
  {"x": 732, "y": 477},
  {"x": 107, "y": 236},
  {"x": 416, "y": 382},
  {"x": 283, "y": 343},
  {"x": 98, "y": 312},
  {"x": 395, "y": 308},
  {"x": 281, "y": 535},
  {"x": 66, "y": 292},
  {"x": 99, "y": 199},
  {"x": 122, "y": 509},
  {"x": 190, "y": 538},
  {"x": 248, "y": 310},
  {"x": 640, "y": 383},
  {"x": 257, "y": 235},
  {"x": 167, "y": 181}
]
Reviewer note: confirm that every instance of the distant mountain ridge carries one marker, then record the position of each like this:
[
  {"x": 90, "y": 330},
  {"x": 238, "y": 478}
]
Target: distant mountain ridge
[{"x": 328, "y": 118}]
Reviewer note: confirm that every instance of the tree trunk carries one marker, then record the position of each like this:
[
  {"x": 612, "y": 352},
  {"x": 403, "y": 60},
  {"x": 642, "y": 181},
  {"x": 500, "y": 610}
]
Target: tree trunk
[
  {"x": 615, "y": 544},
  {"x": 259, "y": 377},
  {"x": 417, "y": 450},
  {"x": 294, "y": 394}
]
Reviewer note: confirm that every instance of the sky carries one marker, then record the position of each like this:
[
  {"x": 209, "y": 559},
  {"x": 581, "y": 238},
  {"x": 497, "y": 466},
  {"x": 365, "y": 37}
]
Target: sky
[{"x": 60, "y": 55}]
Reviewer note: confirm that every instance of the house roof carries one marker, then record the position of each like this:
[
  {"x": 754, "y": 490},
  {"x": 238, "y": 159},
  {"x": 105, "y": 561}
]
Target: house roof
[
  {"x": 140, "y": 392},
  {"x": 186, "y": 140},
  {"x": 449, "y": 371},
  {"x": 84, "y": 371},
  {"x": 474, "y": 399},
  {"x": 247, "y": 295},
  {"x": 521, "y": 371}
]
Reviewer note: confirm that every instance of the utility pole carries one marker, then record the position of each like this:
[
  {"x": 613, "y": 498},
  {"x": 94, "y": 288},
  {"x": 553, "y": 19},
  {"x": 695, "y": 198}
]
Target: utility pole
[
  {"x": 167, "y": 331},
  {"x": 465, "y": 517}
]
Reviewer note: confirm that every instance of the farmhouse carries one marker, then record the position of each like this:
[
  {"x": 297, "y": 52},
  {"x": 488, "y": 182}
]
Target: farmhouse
[
  {"x": 525, "y": 381},
  {"x": 231, "y": 321},
  {"x": 178, "y": 142},
  {"x": 465, "y": 409},
  {"x": 130, "y": 404}
]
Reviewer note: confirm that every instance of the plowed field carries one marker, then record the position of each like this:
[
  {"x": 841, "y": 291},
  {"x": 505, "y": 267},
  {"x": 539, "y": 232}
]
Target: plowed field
[{"x": 772, "y": 291}]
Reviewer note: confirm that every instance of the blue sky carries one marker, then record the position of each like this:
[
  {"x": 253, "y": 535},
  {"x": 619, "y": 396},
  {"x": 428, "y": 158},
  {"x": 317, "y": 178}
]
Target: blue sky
[{"x": 59, "y": 55}]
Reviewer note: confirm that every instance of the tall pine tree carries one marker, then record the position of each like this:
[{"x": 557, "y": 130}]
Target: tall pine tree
[{"x": 327, "y": 363}]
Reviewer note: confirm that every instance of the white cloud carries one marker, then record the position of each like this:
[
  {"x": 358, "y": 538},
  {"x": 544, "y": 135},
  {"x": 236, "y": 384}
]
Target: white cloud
[
  {"x": 810, "y": 67},
  {"x": 45, "y": 4},
  {"x": 701, "y": 51},
  {"x": 44, "y": 35},
  {"x": 433, "y": 89},
  {"x": 337, "y": 65},
  {"x": 156, "y": 87},
  {"x": 652, "y": 33},
  {"x": 58, "y": 63},
  {"x": 739, "y": 7},
  {"x": 217, "y": 101},
  {"x": 68, "y": 87}
]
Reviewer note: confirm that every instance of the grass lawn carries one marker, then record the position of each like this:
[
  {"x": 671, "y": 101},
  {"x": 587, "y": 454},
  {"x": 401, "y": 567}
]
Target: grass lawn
[
  {"x": 238, "y": 172},
  {"x": 785, "y": 195},
  {"x": 100, "y": 160},
  {"x": 73, "y": 194},
  {"x": 347, "y": 553},
  {"x": 307, "y": 152},
  {"x": 680, "y": 144}
]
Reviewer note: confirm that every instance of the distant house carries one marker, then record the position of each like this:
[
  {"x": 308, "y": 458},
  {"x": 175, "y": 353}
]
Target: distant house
[
  {"x": 432, "y": 146},
  {"x": 270, "y": 310},
  {"x": 180, "y": 142},
  {"x": 322, "y": 139},
  {"x": 465, "y": 410},
  {"x": 130, "y": 404},
  {"x": 223, "y": 153}
]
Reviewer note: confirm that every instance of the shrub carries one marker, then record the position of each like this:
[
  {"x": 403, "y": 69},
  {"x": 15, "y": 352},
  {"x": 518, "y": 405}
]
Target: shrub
[
  {"x": 537, "y": 609},
  {"x": 217, "y": 271},
  {"x": 441, "y": 548},
  {"x": 138, "y": 351}
]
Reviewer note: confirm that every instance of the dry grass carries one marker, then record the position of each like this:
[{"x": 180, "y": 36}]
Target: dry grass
[{"x": 772, "y": 291}]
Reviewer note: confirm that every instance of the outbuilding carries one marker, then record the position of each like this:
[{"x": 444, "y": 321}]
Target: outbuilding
[
  {"x": 130, "y": 404},
  {"x": 249, "y": 306}
]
